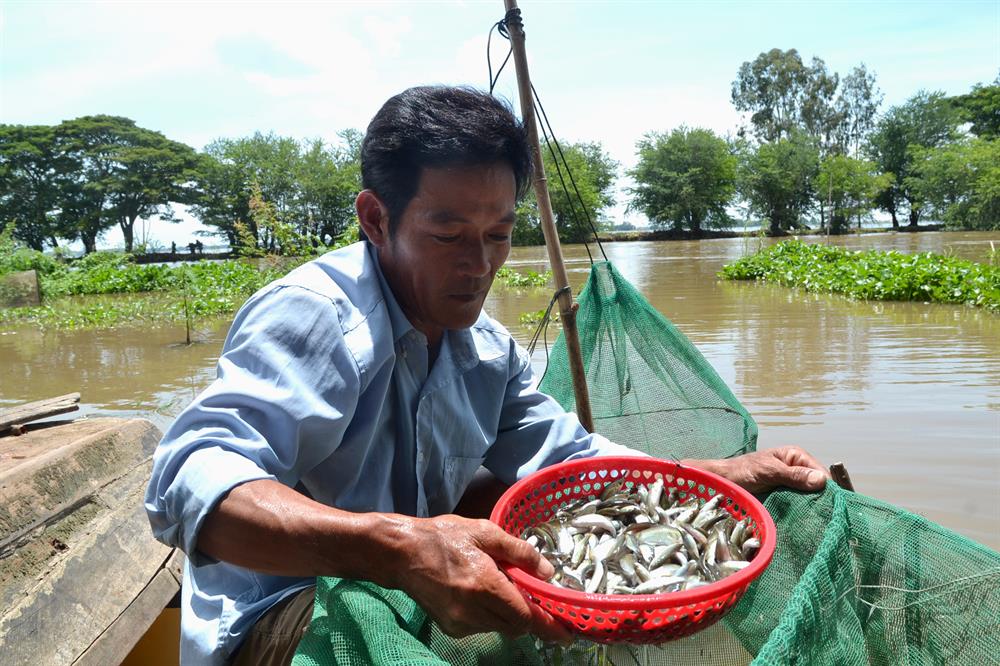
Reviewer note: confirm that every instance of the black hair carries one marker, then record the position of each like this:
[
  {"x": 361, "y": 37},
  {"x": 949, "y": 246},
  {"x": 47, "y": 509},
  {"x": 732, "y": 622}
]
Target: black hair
[{"x": 439, "y": 126}]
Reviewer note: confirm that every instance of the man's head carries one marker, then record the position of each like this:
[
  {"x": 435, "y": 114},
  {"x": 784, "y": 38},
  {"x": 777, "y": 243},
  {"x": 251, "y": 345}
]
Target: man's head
[
  {"x": 438, "y": 126},
  {"x": 442, "y": 169}
]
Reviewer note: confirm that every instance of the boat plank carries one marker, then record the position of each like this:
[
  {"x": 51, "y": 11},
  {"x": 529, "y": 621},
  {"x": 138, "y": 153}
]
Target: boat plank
[{"x": 32, "y": 411}]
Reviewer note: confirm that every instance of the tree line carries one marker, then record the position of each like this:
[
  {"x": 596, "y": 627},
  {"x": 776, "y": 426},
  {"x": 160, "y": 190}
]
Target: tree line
[
  {"x": 813, "y": 148},
  {"x": 262, "y": 194}
]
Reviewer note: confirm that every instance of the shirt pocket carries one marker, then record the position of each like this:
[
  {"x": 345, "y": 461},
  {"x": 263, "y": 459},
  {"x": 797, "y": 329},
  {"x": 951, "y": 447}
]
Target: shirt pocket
[{"x": 458, "y": 473}]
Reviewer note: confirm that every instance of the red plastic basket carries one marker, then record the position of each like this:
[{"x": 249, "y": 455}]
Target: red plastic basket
[{"x": 617, "y": 618}]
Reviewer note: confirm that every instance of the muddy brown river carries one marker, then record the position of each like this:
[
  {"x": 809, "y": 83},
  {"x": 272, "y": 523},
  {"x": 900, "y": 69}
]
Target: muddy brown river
[{"x": 906, "y": 394}]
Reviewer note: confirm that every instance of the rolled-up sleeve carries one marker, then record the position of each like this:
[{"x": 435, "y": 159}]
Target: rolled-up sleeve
[
  {"x": 286, "y": 389},
  {"x": 535, "y": 431}
]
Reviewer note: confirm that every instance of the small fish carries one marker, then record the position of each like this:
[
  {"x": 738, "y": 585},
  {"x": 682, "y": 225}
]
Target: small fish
[
  {"x": 661, "y": 535},
  {"x": 594, "y": 521},
  {"x": 654, "y": 585},
  {"x": 732, "y": 566},
  {"x": 653, "y": 498},
  {"x": 749, "y": 547},
  {"x": 643, "y": 539}
]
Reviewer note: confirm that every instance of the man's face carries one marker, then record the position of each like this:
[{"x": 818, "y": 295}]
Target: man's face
[{"x": 443, "y": 254}]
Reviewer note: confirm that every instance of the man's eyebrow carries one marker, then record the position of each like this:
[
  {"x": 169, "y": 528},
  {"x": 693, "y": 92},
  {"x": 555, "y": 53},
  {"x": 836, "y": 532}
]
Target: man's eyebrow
[{"x": 447, "y": 216}]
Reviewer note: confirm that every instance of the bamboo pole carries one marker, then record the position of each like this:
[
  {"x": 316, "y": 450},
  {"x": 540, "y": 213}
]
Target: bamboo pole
[{"x": 567, "y": 311}]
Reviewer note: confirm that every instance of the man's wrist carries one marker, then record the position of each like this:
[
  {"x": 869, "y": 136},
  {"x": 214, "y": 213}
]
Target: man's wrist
[
  {"x": 714, "y": 466},
  {"x": 365, "y": 546}
]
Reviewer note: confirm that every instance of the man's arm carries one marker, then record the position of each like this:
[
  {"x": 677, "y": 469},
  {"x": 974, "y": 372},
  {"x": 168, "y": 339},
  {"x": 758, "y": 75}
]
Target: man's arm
[
  {"x": 447, "y": 564},
  {"x": 222, "y": 481}
]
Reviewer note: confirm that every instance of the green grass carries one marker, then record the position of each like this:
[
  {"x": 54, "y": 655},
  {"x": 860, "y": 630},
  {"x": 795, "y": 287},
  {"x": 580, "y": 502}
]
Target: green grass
[{"x": 872, "y": 274}]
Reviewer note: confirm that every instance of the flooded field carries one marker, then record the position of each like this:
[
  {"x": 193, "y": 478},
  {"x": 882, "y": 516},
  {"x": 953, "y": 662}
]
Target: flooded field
[{"x": 906, "y": 394}]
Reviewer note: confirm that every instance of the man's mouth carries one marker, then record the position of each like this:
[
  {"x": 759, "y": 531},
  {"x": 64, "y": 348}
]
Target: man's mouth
[{"x": 467, "y": 298}]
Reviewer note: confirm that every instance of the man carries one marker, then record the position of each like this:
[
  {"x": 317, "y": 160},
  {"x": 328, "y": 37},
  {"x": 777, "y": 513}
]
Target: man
[{"x": 358, "y": 395}]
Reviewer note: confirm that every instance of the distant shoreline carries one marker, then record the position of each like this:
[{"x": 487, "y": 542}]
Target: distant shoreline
[
  {"x": 705, "y": 234},
  {"x": 604, "y": 237}
]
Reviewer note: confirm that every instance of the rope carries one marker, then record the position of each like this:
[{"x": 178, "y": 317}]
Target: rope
[
  {"x": 572, "y": 206},
  {"x": 514, "y": 17},
  {"x": 590, "y": 222},
  {"x": 543, "y": 327},
  {"x": 501, "y": 27}
]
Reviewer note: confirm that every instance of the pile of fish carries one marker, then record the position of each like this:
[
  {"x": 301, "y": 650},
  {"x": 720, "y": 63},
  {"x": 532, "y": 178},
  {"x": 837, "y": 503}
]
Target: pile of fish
[{"x": 642, "y": 540}]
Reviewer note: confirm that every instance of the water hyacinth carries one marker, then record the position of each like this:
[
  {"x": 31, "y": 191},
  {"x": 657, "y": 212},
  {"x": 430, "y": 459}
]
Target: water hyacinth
[{"x": 872, "y": 274}]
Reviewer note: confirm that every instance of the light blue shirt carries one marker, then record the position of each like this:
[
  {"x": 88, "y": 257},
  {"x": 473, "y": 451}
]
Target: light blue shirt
[{"x": 324, "y": 385}]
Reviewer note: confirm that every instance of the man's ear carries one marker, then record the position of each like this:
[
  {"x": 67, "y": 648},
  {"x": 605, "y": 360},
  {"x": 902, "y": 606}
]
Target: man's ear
[{"x": 373, "y": 217}]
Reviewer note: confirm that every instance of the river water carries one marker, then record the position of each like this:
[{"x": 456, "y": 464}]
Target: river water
[{"x": 907, "y": 395}]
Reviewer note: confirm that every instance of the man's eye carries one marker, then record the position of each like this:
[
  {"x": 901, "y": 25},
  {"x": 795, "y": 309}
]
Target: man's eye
[
  {"x": 446, "y": 239},
  {"x": 500, "y": 238}
]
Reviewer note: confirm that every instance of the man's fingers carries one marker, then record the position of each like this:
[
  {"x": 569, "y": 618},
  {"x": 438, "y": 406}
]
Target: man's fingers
[
  {"x": 802, "y": 478},
  {"x": 547, "y": 627},
  {"x": 503, "y": 547},
  {"x": 509, "y": 605},
  {"x": 796, "y": 457}
]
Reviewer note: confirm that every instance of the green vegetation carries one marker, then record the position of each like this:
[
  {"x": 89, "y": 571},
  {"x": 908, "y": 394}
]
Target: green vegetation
[
  {"x": 593, "y": 173},
  {"x": 812, "y": 147},
  {"x": 141, "y": 295},
  {"x": 106, "y": 289},
  {"x": 872, "y": 274},
  {"x": 684, "y": 179},
  {"x": 512, "y": 278}
]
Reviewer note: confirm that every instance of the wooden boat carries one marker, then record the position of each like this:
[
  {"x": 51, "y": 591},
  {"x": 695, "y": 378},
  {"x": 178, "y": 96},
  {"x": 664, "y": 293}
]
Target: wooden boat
[{"x": 81, "y": 577}]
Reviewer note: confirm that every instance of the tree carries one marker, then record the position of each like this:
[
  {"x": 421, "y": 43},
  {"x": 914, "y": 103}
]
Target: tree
[
  {"x": 776, "y": 179},
  {"x": 981, "y": 108},
  {"x": 329, "y": 178},
  {"x": 819, "y": 112},
  {"x": 960, "y": 182},
  {"x": 848, "y": 187},
  {"x": 594, "y": 173},
  {"x": 858, "y": 103},
  {"x": 309, "y": 187},
  {"x": 117, "y": 173},
  {"x": 29, "y": 195},
  {"x": 148, "y": 173},
  {"x": 771, "y": 88},
  {"x": 684, "y": 179},
  {"x": 926, "y": 120},
  {"x": 230, "y": 171}
]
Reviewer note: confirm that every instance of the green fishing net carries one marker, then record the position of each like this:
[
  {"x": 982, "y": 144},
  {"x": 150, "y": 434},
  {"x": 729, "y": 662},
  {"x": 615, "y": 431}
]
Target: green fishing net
[{"x": 853, "y": 580}]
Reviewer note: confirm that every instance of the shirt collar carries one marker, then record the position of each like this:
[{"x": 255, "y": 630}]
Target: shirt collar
[{"x": 400, "y": 324}]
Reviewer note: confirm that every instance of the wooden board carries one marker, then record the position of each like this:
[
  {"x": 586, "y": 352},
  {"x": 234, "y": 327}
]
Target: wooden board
[
  {"x": 87, "y": 579},
  {"x": 51, "y": 472},
  {"x": 115, "y": 643},
  {"x": 40, "y": 409}
]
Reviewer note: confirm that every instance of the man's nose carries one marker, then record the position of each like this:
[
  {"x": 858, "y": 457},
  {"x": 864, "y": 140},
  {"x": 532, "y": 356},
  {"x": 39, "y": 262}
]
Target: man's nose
[{"x": 476, "y": 260}]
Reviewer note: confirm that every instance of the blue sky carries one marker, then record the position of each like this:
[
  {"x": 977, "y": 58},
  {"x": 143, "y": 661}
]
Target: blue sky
[{"x": 606, "y": 71}]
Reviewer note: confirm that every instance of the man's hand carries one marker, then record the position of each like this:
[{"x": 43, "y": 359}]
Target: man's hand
[
  {"x": 450, "y": 569},
  {"x": 761, "y": 471}
]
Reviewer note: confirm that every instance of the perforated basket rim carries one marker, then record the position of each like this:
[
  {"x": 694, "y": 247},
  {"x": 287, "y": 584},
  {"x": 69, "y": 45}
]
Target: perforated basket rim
[{"x": 736, "y": 582}]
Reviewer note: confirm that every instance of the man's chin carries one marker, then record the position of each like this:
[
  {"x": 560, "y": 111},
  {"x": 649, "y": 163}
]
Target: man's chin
[{"x": 463, "y": 316}]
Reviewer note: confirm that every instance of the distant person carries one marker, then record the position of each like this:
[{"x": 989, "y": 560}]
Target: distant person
[
  {"x": 191, "y": 248},
  {"x": 199, "y": 247},
  {"x": 173, "y": 247}
]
